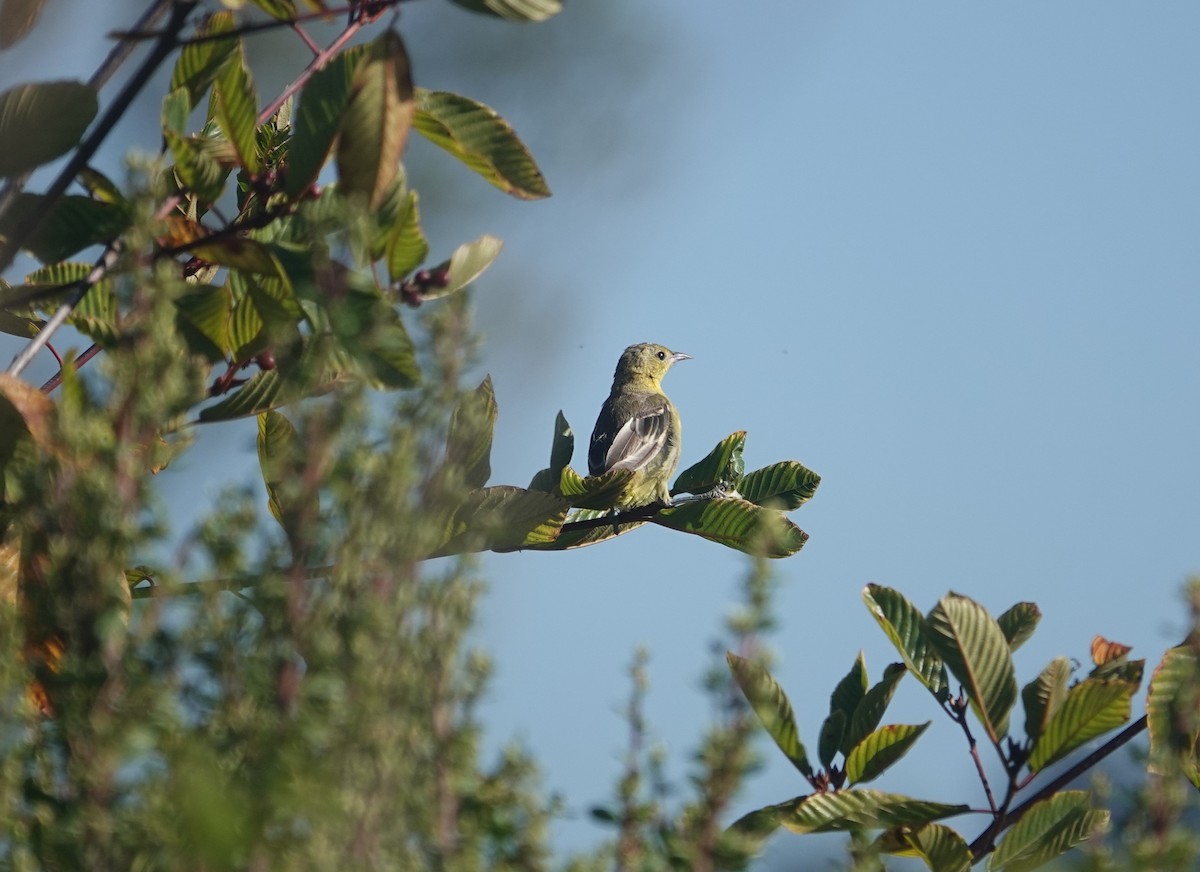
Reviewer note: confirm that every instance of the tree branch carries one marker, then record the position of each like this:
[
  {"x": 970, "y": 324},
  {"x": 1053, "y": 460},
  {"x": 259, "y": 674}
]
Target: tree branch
[
  {"x": 83, "y": 154},
  {"x": 987, "y": 839}
]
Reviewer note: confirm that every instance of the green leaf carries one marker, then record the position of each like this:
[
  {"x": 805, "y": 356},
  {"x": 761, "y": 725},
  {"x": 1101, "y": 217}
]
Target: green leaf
[
  {"x": 1171, "y": 708},
  {"x": 849, "y": 810},
  {"x": 263, "y": 391},
  {"x": 736, "y": 524},
  {"x": 851, "y": 689},
  {"x": 240, "y": 253},
  {"x": 907, "y": 629},
  {"x": 1042, "y": 697},
  {"x": 237, "y": 110},
  {"x": 772, "y": 707},
  {"x": 481, "y": 139},
  {"x": 561, "y": 451},
  {"x": 280, "y": 457},
  {"x": 17, "y": 18},
  {"x": 721, "y": 466},
  {"x": 469, "y": 441},
  {"x": 374, "y": 126},
  {"x": 1049, "y": 829},
  {"x": 881, "y": 748},
  {"x": 595, "y": 491},
  {"x": 72, "y": 224},
  {"x": 757, "y": 825},
  {"x": 785, "y": 485},
  {"x": 198, "y": 169},
  {"x": 200, "y": 63},
  {"x": 41, "y": 121},
  {"x": 406, "y": 245},
  {"x": 974, "y": 648},
  {"x": 870, "y": 709},
  {"x": 829, "y": 740},
  {"x": 19, "y": 325},
  {"x": 514, "y": 10},
  {"x": 942, "y": 849},
  {"x": 1092, "y": 707},
  {"x": 284, "y": 10},
  {"x": 1018, "y": 623},
  {"x": 316, "y": 122},
  {"x": 503, "y": 518},
  {"x": 568, "y": 539},
  {"x": 95, "y": 315},
  {"x": 466, "y": 264}
]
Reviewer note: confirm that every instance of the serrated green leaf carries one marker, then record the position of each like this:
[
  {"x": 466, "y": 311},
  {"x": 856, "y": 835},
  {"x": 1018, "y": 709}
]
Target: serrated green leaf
[
  {"x": 599, "y": 492},
  {"x": 503, "y": 518},
  {"x": 199, "y": 172},
  {"x": 851, "y": 689},
  {"x": 1047, "y": 830},
  {"x": 375, "y": 123},
  {"x": 176, "y": 107},
  {"x": 42, "y": 121},
  {"x": 786, "y": 485},
  {"x": 974, "y": 648},
  {"x": 848, "y": 810},
  {"x": 281, "y": 460},
  {"x": 772, "y": 707},
  {"x": 942, "y": 849},
  {"x": 878, "y": 750},
  {"x": 829, "y": 740},
  {"x": 72, "y": 224},
  {"x": 95, "y": 315},
  {"x": 263, "y": 391},
  {"x": 386, "y": 352},
  {"x": 199, "y": 63},
  {"x": 1042, "y": 697},
  {"x": 481, "y": 139},
  {"x": 1092, "y": 707},
  {"x": 721, "y": 466},
  {"x": 19, "y": 325},
  {"x": 1171, "y": 714},
  {"x": 284, "y": 10},
  {"x": 1018, "y": 623},
  {"x": 561, "y": 451},
  {"x": 469, "y": 440},
  {"x": 568, "y": 539},
  {"x": 406, "y": 246},
  {"x": 736, "y": 524},
  {"x": 316, "y": 121},
  {"x": 906, "y": 627},
  {"x": 203, "y": 317},
  {"x": 869, "y": 712},
  {"x": 237, "y": 110},
  {"x": 514, "y": 10}
]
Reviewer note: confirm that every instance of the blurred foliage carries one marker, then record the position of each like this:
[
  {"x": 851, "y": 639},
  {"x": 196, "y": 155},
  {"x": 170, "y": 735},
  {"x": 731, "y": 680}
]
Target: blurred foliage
[{"x": 299, "y": 692}]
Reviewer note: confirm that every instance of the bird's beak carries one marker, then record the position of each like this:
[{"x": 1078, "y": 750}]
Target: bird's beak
[{"x": 677, "y": 356}]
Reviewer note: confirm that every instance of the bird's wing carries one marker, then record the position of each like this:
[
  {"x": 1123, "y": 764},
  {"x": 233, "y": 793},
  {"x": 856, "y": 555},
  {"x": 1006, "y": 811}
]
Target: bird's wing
[{"x": 640, "y": 438}]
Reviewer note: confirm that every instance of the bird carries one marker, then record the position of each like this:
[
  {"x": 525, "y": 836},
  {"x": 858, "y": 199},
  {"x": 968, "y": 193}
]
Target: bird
[{"x": 638, "y": 428}]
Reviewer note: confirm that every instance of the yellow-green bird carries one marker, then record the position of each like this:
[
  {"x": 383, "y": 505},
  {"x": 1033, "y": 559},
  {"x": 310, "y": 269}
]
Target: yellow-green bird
[{"x": 638, "y": 427}]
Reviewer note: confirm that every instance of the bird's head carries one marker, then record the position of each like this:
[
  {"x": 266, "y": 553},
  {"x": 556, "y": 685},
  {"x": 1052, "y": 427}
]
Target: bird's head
[{"x": 647, "y": 361}]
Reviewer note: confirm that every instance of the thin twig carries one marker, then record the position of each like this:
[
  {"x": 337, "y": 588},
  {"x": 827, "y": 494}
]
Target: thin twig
[
  {"x": 83, "y": 154},
  {"x": 139, "y": 33},
  {"x": 314, "y": 66},
  {"x": 98, "y": 272},
  {"x": 958, "y": 711},
  {"x": 55, "y": 380},
  {"x": 987, "y": 838},
  {"x": 111, "y": 63}
]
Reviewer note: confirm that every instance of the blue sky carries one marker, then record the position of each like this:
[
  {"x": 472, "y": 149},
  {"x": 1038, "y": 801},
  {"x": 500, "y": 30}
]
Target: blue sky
[{"x": 945, "y": 255}]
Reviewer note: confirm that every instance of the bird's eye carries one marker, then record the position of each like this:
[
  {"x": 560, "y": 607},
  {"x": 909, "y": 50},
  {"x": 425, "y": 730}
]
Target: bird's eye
[{"x": 662, "y": 355}]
